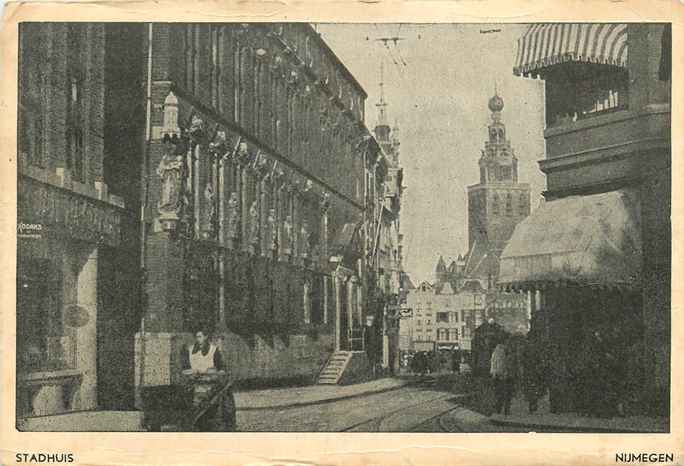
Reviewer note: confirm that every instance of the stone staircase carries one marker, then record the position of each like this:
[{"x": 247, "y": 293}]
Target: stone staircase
[{"x": 333, "y": 370}]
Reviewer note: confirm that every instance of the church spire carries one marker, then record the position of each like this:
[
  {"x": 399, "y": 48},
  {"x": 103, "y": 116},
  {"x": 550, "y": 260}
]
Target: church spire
[
  {"x": 382, "y": 105},
  {"x": 498, "y": 163}
]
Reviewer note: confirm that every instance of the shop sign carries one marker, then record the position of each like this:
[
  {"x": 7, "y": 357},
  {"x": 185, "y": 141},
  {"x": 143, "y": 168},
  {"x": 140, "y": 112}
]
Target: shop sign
[{"x": 78, "y": 216}]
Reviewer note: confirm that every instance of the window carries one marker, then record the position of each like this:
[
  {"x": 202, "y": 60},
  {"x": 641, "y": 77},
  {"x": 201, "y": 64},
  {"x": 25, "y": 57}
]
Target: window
[
  {"x": 509, "y": 204},
  {"x": 495, "y": 204},
  {"x": 307, "y": 302},
  {"x": 41, "y": 340},
  {"x": 419, "y": 322},
  {"x": 524, "y": 205},
  {"x": 237, "y": 83},
  {"x": 258, "y": 96},
  {"x": 33, "y": 94},
  {"x": 442, "y": 317},
  {"x": 216, "y": 62},
  {"x": 453, "y": 334},
  {"x": 453, "y": 317},
  {"x": 577, "y": 91},
  {"x": 191, "y": 56},
  {"x": 75, "y": 128}
]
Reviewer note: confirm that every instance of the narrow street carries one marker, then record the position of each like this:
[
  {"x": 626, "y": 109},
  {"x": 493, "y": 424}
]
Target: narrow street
[{"x": 418, "y": 407}]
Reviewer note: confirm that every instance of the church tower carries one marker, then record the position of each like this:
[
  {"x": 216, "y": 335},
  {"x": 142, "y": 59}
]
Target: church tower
[{"x": 498, "y": 202}]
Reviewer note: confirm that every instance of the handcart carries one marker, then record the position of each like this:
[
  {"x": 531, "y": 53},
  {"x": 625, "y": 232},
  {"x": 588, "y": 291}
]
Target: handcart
[{"x": 199, "y": 402}]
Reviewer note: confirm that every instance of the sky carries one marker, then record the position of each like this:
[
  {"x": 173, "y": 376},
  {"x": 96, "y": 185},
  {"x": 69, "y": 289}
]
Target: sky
[{"x": 437, "y": 82}]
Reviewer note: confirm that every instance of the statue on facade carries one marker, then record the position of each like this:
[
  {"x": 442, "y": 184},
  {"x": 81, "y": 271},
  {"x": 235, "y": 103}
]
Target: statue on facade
[
  {"x": 209, "y": 217},
  {"x": 196, "y": 127},
  {"x": 287, "y": 235},
  {"x": 170, "y": 171},
  {"x": 233, "y": 217},
  {"x": 304, "y": 241},
  {"x": 271, "y": 234},
  {"x": 253, "y": 226}
]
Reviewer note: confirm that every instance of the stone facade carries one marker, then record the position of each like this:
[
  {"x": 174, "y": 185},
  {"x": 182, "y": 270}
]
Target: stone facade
[
  {"x": 257, "y": 198},
  {"x": 74, "y": 233}
]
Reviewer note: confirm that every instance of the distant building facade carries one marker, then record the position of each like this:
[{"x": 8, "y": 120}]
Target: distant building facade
[{"x": 441, "y": 315}]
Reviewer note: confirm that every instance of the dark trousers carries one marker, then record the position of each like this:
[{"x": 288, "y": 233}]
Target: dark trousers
[{"x": 503, "y": 390}]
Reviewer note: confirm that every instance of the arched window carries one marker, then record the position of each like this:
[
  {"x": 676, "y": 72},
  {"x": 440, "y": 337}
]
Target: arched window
[
  {"x": 524, "y": 205},
  {"x": 495, "y": 204}
]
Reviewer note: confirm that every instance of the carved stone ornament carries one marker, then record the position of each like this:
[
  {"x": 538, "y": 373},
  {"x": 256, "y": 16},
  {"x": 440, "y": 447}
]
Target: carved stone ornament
[
  {"x": 272, "y": 233},
  {"x": 277, "y": 63},
  {"x": 197, "y": 129},
  {"x": 325, "y": 201},
  {"x": 243, "y": 155},
  {"x": 218, "y": 145}
]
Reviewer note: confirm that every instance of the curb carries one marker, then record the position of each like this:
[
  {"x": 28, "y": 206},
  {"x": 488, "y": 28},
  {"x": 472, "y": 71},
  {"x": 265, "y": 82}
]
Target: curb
[
  {"x": 457, "y": 412},
  {"x": 573, "y": 428},
  {"x": 299, "y": 404}
]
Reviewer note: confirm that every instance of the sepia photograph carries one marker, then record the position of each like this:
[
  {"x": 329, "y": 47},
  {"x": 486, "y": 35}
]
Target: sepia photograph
[{"x": 344, "y": 227}]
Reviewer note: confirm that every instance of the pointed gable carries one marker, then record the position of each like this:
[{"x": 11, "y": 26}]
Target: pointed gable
[{"x": 441, "y": 265}]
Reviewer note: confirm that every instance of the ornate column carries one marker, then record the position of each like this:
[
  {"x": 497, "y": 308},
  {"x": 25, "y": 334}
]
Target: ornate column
[
  {"x": 325, "y": 207},
  {"x": 338, "y": 283},
  {"x": 86, "y": 336}
]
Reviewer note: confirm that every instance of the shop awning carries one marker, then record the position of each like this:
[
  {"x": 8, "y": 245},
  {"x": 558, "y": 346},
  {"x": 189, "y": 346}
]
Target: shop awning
[
  {"x": 585, "y": 240},
  {"x": 544, "y": 45}
]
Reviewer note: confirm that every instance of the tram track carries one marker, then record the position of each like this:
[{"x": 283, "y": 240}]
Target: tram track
[{"x": 399, "y": 420}]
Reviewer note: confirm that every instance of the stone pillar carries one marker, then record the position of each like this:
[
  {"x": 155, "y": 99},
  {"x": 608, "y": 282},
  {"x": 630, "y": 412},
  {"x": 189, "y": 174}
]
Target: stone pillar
[
  {"x": 86, "y": 336},
  {"x": 338, "y": 310},
  {"x": 350, "y": 303},
  {"x": 158, "y": 344},
  {"x": 326, "y": 286}
]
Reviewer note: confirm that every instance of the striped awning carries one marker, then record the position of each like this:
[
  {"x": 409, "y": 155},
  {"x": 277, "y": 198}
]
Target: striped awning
[{"x": 544, "y": 45}]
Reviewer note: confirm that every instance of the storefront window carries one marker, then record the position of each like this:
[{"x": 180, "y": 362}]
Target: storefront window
[
  {"x": 41, "y": 340},
  {"x": 578, "y": 91}
]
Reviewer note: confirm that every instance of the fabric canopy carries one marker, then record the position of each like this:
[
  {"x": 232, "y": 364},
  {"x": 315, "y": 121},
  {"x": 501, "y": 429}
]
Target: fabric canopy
[
  {"x": 544, "y": 45},
  {"x": 587, "y": 240}
]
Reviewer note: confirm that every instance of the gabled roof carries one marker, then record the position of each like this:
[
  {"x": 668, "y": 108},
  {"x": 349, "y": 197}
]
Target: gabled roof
[
  {"x": 483, "y": 259},
  {"x": 441, "y": 266},
  {"x": 407, "y": 284},
  {"x": 446, "y": 289},
  {"x": 427, "y": 285}
]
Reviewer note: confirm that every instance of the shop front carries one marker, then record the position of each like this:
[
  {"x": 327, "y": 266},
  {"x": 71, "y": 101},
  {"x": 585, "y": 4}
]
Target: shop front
[
  {"x": 60, "y": 238},
  {"x": 579, "y": 258}
]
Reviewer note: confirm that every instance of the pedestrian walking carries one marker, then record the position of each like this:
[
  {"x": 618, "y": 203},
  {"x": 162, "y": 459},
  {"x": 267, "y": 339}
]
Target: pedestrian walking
[
  {"x": 502, "y": 375},
  {"x": 534, "y": 370},
  {"x": 456, "y": 361}
]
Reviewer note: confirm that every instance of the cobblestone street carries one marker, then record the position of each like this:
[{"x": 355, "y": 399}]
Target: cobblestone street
[{"x": 399, "y": 409}]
